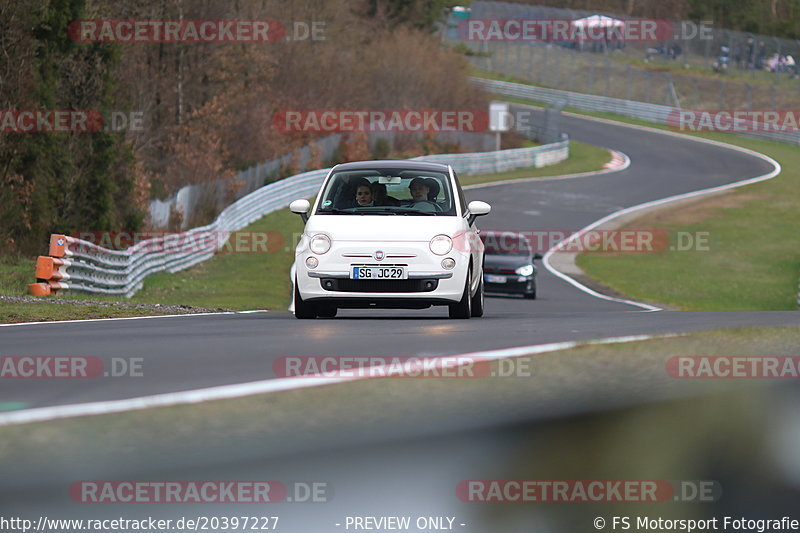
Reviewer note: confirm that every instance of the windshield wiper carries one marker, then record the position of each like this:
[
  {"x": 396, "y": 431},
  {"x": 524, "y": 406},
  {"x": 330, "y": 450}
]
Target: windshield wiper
[
  {"x": 371, "y": 210},
  {"x": 376, "y": 211},
  {"x": 348, "y": 211},
  {"x": 410, "y": 211}
]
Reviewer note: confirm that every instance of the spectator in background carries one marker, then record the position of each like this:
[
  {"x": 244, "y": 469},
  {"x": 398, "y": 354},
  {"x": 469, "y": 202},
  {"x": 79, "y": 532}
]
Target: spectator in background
[
  {"x": 751, "y": 53},
  {"x": 761, "y": 55},
  {"x": 773, "y": 63},
  {"x": 737, "y": 56},
  {"x": 791, "y": 66}
]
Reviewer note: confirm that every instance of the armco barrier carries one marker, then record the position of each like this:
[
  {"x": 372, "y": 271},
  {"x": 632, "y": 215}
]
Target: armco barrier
[
  {"x": 80, "y": 265},
  {"x": 588, "y": 102}
]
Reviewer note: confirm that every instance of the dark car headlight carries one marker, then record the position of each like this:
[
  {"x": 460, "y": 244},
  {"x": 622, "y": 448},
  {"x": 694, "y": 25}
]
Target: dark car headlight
[{"x": 525, "y": 270}]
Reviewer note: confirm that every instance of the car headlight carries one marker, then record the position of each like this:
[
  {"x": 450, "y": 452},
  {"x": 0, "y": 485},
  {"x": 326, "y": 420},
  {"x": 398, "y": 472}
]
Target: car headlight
[
  {"x": 526, "y": 270},
  {"x": 320, "y": 243},
  {"x": 441, "y": 244}
]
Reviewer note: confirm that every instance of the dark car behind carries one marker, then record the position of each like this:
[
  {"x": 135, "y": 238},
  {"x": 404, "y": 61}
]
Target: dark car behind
[{"x": 508, "y": 264}]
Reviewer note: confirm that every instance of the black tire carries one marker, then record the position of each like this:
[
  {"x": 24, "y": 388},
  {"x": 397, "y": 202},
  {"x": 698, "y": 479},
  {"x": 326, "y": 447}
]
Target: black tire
[
  {"x": 531, "y": 295},
  {"x": 327, "y": 311},
  {"x": 477, "y": 301},
  {"x": 463, "y": 309},
  {"x": 303, "y": 309}
]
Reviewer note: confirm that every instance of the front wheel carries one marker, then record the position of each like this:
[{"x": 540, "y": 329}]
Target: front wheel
[
  {"x": 303, "y": 309},
  {"x": 463, "y": 309},
  {"x": 477, "y": 301}
]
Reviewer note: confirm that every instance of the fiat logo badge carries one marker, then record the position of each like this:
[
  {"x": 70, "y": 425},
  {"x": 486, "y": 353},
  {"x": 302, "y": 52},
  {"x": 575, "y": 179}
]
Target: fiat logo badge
[{"x": 379, "y": 255}]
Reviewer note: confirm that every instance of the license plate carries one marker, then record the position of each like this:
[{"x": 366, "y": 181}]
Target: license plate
[
  {"x": 488, "y": 278},
  {"x": 378, "y": 273}
]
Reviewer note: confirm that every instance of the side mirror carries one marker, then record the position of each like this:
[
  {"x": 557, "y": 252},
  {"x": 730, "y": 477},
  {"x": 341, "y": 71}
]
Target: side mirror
[
  {"x": 477, "y": 208},
  {"x": 537, "y": 255},
  {"x": 300, "y": 207}
]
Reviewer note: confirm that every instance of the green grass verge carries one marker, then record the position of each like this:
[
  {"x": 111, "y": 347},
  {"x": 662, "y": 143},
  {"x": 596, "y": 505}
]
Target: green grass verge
[
  {"x": 753, "y": 258},
  {"x": 16, "y": 312},
  {"x": 16, "y": 272},
  {"x": 236, "y": 281}
]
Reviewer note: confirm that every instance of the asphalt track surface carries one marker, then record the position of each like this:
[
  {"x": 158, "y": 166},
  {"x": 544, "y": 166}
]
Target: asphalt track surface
[
  {"x": 185, "y": 353},
  {"x": 407, "y": 469}
]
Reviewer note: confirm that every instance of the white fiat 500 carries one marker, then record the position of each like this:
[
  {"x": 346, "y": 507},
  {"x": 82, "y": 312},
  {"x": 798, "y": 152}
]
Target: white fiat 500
[{"x": 389, "y": 234}]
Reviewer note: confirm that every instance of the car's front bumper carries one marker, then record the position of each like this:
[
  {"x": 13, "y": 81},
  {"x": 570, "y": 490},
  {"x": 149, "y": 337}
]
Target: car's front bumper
[
  {"x": 427, "y": 283},
  {"x": 511, "y": 284}
]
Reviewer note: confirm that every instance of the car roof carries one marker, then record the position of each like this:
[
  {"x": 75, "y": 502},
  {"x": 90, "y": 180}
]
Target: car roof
[{"x": 403, "y": 164}]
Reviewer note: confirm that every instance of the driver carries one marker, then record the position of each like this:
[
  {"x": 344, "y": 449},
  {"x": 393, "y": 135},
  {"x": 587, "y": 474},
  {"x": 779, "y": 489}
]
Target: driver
[
  {"x": 419, "y": 190},
  {"x": 419, "y": 195}
]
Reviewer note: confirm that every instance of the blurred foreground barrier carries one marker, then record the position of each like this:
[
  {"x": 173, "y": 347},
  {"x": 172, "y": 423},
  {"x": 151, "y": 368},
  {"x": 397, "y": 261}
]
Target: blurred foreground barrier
[{"x": 80, "y": 265}]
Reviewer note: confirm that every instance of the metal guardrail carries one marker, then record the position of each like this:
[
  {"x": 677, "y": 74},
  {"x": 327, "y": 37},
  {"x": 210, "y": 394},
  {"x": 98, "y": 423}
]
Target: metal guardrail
[
  {"x": 81, "y": 265},
  {"x": 660, "y": 114},
  {"x": 503, "y": 160}
]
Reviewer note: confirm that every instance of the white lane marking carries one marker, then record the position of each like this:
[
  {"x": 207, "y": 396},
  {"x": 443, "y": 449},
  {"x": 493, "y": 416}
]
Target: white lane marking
[
  {"x": 226, "y": 392},
  {"x": 769, "y": 175}
]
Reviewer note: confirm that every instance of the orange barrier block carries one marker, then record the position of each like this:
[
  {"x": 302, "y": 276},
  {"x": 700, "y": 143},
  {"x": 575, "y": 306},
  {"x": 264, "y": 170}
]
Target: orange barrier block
[
  {"x": 46, "y": 288},
  {"x": 47, "y": 268},
  {"x": 39, "y": 289},
  {"x": 59, "y": 245}
]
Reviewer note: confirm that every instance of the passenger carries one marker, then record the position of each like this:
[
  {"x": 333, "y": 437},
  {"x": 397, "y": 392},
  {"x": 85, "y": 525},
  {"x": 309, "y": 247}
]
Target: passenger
[
  {"x": 380, "y": 195},
  {"x": 364, "y": 196}
]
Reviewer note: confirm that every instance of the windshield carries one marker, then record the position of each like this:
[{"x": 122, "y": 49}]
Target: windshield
[
  {"x": 387, "y": 192},
  {"x": 505, "y": 244}
]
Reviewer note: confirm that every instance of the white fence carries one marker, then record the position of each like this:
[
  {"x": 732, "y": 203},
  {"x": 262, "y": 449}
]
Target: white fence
[{"x": 78, "y": 264}]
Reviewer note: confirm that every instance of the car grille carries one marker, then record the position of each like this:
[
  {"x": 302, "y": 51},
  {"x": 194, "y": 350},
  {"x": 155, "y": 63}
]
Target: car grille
[
  {"x": 492, "y": 270},
  {"x": 379, "y": 285}
]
